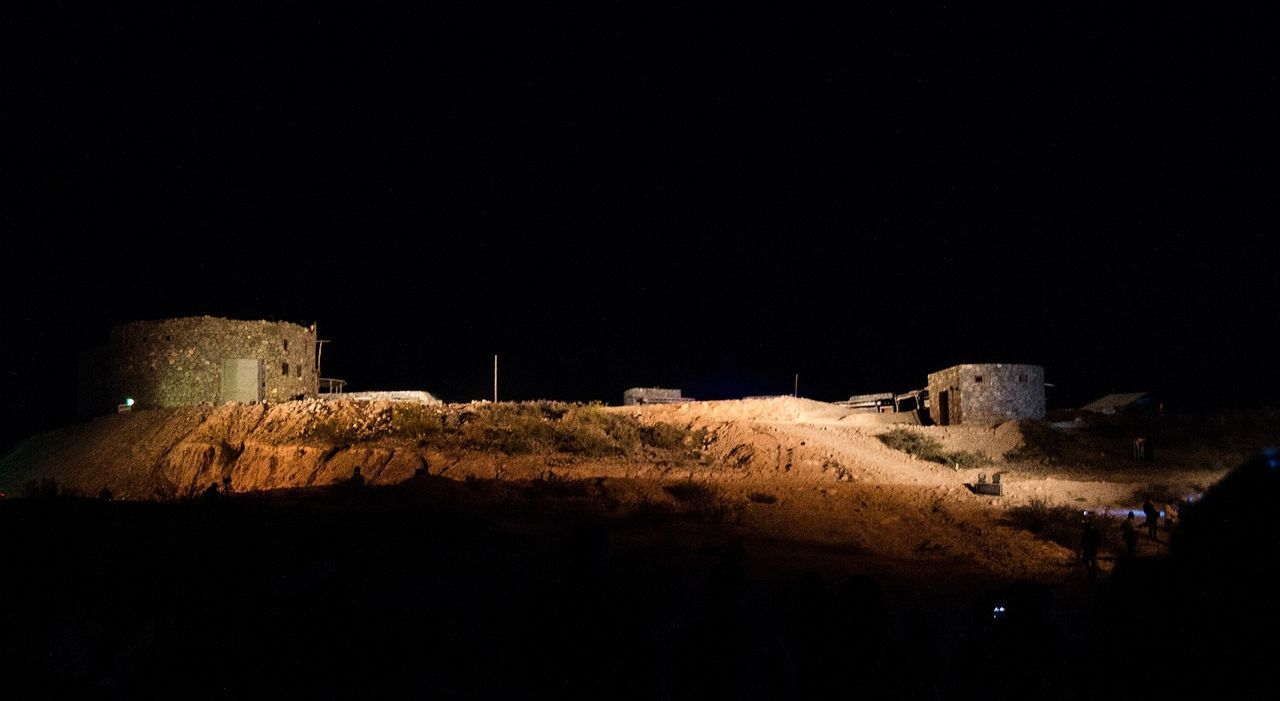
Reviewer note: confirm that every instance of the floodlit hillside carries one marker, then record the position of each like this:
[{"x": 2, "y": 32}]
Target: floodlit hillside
[{"x": 786, "y": 468}]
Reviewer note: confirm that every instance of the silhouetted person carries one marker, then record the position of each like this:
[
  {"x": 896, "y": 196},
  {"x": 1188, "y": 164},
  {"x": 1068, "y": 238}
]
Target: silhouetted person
[
  {"x": 1090, "y": 539},
  {"x": 1129, "y": 532},
  {"x": 1153, "y": 516},
  {"x": 357, "y": 479},
  {"x": 211, "y": 493},
  {"x": 226, "y": 485}
]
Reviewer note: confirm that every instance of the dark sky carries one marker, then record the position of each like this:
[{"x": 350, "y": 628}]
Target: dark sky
[{"x": 615, "y": 196}]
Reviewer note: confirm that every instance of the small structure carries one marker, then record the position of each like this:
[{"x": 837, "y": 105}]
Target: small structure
[
  {"x": 1113, "y": 403},
  {"x": 653, "y": 395},
  {"x": 179, "y": 362},
  {"x": 915, "y": 400},
  {"x": 332, "y": 385},
  {"x": 992, "y": 488},
  {"x": 882, "y": 402},
  {"x": 986, "y": 393}
]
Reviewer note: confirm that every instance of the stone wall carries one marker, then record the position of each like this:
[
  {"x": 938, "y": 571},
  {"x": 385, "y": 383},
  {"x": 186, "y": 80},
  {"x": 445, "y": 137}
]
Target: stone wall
[
  {"x": 651, "y": 395},
  {"x": 176, "y": 362},
  {"x": 986, "y": 393}
]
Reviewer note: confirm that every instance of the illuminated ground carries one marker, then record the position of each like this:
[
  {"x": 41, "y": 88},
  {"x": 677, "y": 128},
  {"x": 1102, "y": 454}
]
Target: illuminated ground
[
  {"x": 784, "y": 469},
  {"x": 787, "y": 552}
]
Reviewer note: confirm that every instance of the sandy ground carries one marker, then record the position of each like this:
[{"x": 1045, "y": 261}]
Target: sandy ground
[
  {"x": 797, "y": 473},
  {"x": 836, "y": 483}
]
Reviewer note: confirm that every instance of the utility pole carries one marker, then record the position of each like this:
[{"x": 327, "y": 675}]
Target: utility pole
[
  {"x": 319, "y": 354},
  {"x": 495, "y": 378},
  {"x": 796, "y": 392}
]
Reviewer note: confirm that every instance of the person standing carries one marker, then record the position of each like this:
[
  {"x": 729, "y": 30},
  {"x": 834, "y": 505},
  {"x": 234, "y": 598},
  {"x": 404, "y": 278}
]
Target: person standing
[
  {"x": 1090, "y": 539},
  {"x": 1130, "y": 534},
  {"x": 1153, "y": 518}
]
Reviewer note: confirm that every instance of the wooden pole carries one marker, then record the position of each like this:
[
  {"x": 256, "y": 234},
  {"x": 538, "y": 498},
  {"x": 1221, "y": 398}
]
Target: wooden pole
[
  {"x": 495, "y": 378},
  {"x": 796, "y": 392}
]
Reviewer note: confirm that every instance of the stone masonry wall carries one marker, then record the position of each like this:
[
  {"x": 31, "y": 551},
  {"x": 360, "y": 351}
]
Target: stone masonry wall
[
  {"x": 986, "y": 393},
  {"x": 175, "y": 362},
  {"x": 650, "y": 395}
]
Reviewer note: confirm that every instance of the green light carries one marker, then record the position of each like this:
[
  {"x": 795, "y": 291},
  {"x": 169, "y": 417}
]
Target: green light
[{"x": 128, "y": 401}]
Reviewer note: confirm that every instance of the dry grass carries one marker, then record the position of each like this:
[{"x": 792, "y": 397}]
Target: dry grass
[
  {"x": 514, "y": 428},
  {"x": 928, "y": 448}
]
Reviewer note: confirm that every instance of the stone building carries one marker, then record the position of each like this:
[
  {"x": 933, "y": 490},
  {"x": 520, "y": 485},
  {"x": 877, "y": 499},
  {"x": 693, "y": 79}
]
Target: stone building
[
  {"x": 986, "y": 393},
  {"x": 652, "y": 395},
  {"x": 176, "y": 362}
]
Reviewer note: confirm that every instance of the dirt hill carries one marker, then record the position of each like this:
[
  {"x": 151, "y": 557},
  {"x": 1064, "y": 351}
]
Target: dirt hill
[{"x": 788, "y": 469}]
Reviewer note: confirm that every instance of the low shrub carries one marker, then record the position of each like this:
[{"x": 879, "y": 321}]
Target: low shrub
[
  {"x": 589, "y": 431},
  {"x": 928, "y": 448},
  {"x": 965, "y": 459},
  {"x": 415, "y": 421},
  {"x": 333, "y": 430},
  {"x": 663, "y": 436},
  {"x": 911, "y": 442}
]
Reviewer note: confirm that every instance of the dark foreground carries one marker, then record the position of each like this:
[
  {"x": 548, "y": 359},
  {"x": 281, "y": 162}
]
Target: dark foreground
[{"x": 446, "y": 590}]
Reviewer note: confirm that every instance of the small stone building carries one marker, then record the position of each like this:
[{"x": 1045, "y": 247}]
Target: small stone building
[
  {"x": 986, "y": 393},
  {"x": 652, "y": 395},
  {"x": 177, "y": 362}
]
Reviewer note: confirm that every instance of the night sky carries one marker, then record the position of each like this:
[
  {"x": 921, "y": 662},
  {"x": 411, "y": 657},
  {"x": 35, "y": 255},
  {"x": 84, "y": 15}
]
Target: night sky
[{"x": 613, "y": 196}]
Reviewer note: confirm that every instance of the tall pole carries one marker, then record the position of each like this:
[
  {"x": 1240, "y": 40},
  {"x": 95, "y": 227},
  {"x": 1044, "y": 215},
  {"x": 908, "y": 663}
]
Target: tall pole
[
  {"x": 495, "y": 378},
  {"x": 796, "y": 392}
]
